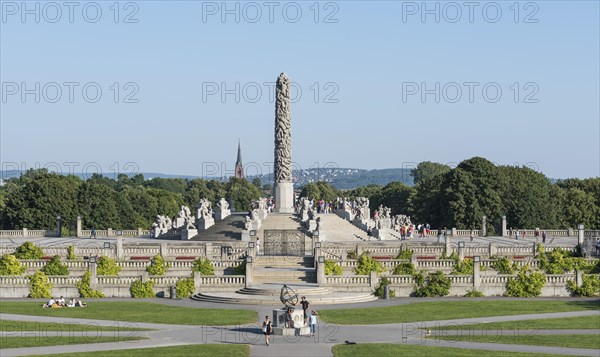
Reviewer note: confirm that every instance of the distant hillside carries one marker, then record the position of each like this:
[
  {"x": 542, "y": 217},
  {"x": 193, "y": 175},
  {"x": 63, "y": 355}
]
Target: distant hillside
[
  {"x": 342, "y": 178},
  {"x": 346, "y": 178}
]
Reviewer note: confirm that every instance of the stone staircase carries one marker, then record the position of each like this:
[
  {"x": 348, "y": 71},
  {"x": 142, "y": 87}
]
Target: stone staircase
[
  {"x": 338, "y": 229},
  {"x": 268, "y": 294},
  {"x": 284, "y": 269}
]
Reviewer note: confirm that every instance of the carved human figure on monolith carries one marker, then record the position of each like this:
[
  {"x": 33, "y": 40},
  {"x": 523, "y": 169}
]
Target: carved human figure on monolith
[{"x": 284, "y": 192}]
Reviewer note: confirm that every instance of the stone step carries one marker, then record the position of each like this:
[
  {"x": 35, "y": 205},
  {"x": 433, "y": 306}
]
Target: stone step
[
  {"x": 324, "y": 299},
  {"x": 276, "y": 292}
]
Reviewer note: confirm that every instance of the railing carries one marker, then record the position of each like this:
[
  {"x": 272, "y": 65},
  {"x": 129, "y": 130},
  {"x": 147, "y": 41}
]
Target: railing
[
  {"x": 229, "y": 280},
  {"x": 347, "y": 280},
  {"x": 64, "y": 280},
  {"x": 6, "y": 281}
]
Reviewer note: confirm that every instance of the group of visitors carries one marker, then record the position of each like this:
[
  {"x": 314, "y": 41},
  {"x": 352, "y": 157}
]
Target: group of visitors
[
  {"x": 523, "y": 233},
  {"x": 407, "y": 231},
  {"x": 60, "y": 302},
  {"x": 267, "y": 325}
]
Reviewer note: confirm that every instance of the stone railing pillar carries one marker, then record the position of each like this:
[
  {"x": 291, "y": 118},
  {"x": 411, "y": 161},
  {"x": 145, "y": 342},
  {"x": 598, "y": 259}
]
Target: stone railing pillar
[
  {"x": 196, "y": 281},
  {"x": 461, "y": 251},
  {"x": 448, "y": 245},
  {"x": 580, "y": 234},
  {"x": 93, "y": 276},
  {"x": 476, "y": 275},
  {"x": 492, "y": 250},
  {"x": 534, "y": 250},
  {"x": 578, "y": 278},
  {"x": 119, "y": 248},
  {"x": 58, "y": 226},
  {"x": 144, "y": 277},
  {"x": 503, "y": 227},
  {"x": 109, "y": 232},
  {"x": 320, "y": 270},
  {"x": 79, "y": 224},
  {"x": 140, "y": 232},
  {"x": 484, "y": 226},
  {"x": 373, "y": 280},
  {"x": 164, "y": 250},
  {"x": 25, "y": 234},
  {"x": 249, "y": 271},
  {"x": 317, "y": 253}
]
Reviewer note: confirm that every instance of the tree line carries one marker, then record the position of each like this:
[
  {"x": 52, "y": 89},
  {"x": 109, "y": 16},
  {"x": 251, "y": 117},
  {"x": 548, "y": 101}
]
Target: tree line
[
  {"x": 442, "y": 196},
  {"x": 37, "y": 197},
  {"x": 460, "y": 197}
]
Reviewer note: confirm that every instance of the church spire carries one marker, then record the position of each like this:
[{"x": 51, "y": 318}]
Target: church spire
[{"x": 239, "y": 168}]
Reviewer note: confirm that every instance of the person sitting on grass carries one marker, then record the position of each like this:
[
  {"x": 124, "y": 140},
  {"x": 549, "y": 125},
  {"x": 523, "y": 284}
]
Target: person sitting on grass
[
  {"x": 61, "y": 301},
  {"x": 71, "y": 303},
  {"x": 50, "y": 302},
  {"x": 80, "y": 304}
]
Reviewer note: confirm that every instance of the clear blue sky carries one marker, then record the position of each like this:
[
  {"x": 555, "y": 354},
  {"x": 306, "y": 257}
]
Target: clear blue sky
[{"x": 365, "y": 57}]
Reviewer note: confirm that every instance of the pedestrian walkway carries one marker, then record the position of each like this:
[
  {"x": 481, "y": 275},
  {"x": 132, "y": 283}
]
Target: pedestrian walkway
[{"x": 320, "y": 345}]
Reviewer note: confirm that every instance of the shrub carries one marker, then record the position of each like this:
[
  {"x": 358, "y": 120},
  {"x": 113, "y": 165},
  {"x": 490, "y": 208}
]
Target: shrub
[
  {"x": 157, "y": 266},
  {"x": 142, "y": 290},
  {"x": 380, "y": 290},
  {"x": 9, "y": 265},
  {"x": 527, "y": 283},
  {"x": 464, "y": 267},
  {"x": 405, "y": 254},
  {"x": 71, "y": 253},
  {"x": 332, "y": 268},
  {"x": 436, "y": 284},
  {"x": 185, "y": 287},
  {"x": 64, "y": 231},
  {"x": 590, "y": 286},
  {"x": 404, "y": 269},
  {"x": 55, "y": 267},
  {"x": 29, "y": 250},
  {"x": 107, "y": 266},
  {"x": 241, "y": 268},
  {"x": 474, "y": 293},
  {"x": 85, "y": 291},
  {"x": 366, "y": 264},
  {"x": 504, "y": 266},
  {"x": 39, "y": 286},
  {"x": 351, "y": 254},
  {"x": 204, "y": 266},
  {"x": 557, "y": 262}
]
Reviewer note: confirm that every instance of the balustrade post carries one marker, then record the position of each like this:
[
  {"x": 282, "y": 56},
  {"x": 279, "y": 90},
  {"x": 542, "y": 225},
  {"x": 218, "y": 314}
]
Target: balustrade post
[
  {"x": 25, "y": 232},
  {"x": 249, "y": 271},
  {"x": 196, "y": 281},
  {"x": 476, "y": 275},
  {"x": 79, "y": 224},
  {"x": 373, "y": 280}
]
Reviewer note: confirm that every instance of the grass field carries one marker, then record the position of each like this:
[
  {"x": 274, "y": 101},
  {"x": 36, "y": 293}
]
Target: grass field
[
  {"x": 445, "y": 310},
  {"x": 20, "y": 342},
  {"x": 574, "y": 341},
  {"x": 138, "y": 312},
  {"x": 394, "y": 350},
  {"x": 11, "y": 326},
  {"x": 171, "y": 351},
  {"x": 580, "y": 322}
]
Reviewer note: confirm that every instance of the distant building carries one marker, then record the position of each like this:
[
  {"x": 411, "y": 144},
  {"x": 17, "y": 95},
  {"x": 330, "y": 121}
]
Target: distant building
[{"x": 239, "y": 168}]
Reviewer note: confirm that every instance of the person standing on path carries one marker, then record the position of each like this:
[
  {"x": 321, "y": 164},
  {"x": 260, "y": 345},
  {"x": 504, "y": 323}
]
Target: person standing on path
[
  {"x": 267, "y": 328},
  {"x": 305, "y": 304},
  {"x": 544, "y": 237},
  {"x": 313, "y": 322},
  {"x": 93, "y": 234}
]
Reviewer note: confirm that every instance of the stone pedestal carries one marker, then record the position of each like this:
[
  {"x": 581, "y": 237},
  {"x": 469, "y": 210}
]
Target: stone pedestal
[
  {"x": 178, "y": 222},
  {"x": 504, "y": 234},
  {"x": 79, "y": 235},
  {"x": 262, "y": 214},
  {"x": 245, "y": 235},
  {"x": 381, "y": 234},
  {"x": 203, "y": 224},
  {"x": 186, "y": 234},
  {"x": 255, "y": 224},
  {"x": 303, "y": 215},
  {"x": 298, "y": 328},
  {"x": 361, "y": 223},
  {"x": 222, "y": 214},
  {"x": 284, "y": 197},
  {"x": 312, "y": 225}
]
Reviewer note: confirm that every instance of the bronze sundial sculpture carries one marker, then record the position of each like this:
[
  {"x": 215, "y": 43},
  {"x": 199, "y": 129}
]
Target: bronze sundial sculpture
[{"x": 288, "y": 296}]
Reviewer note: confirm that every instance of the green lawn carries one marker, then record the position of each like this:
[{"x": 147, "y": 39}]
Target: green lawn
[
  {"x": 185, "y": 350},
  {"x": 20, "y": 342},
  {"x": 580, "y": 322},
  {"x": 393, "y": 350},
  {"x": 11, "y": 325},
  {"x": 445, "y": 310},
  {"x": 138, "y": 312},
  {"x": 574, "y": 341}
]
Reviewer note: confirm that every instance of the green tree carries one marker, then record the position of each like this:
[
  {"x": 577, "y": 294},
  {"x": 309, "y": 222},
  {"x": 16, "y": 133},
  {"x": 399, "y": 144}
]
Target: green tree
[
  {"x": 85, "y": 291},
  {"x": 242, "y": 193},
  {"x": 29, "y": 250},
  {"x": 204, "y": 266},
  {"x": 431, "y": 285},
  {"x": 395, "y": 195},
  {"x": 9, "y": 265},
  {"x": 580, "y": 207},
  {"x": 39, "y": 286},
  {"x": 366, "y": 264},
  {"x": 107, "y": 266},
  {"x": 55, "y": 267},
  {"x": 142, "y": 290},
  {"x": 428, "y": 169},
  {"x": 527, "y": 283},
  {"x": 157, "y": 266},
  {"x": 97, "y": 205}
]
